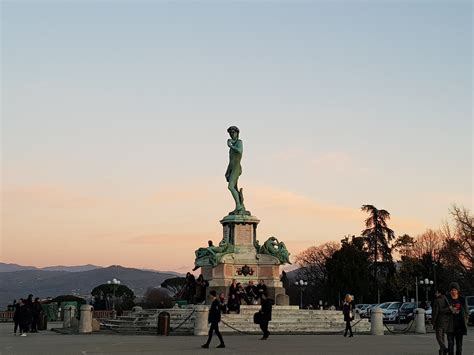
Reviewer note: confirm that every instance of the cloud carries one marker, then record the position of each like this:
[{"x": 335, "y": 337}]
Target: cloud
[{"x": 161, "y": 229}]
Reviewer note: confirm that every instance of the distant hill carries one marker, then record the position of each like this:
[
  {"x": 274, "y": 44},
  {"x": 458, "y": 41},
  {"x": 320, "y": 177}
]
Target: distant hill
[
  {"x": 46, "y": 283},
  {"x": 79, "y": 268},
  {"x": 15, "y": 267}
]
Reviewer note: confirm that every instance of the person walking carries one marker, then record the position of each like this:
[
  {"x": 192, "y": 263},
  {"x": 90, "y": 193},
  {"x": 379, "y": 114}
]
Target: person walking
[
  {"x": 265, "y": 315},
  {"x": 213, "y": 319},
  {"x": 348, "y": 311},
  {"x": 440, "y": 320},
  {"x": 457, "y": 324}
]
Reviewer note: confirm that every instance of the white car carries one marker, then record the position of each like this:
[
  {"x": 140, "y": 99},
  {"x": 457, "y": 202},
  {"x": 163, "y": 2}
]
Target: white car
[
  {"x": 390, "y": 311},
  {"x": 428, "y": 314}
]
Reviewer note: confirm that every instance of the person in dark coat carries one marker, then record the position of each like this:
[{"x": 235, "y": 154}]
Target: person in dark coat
[
  {"x": 251, "y": 292},
  {"x": 25, "y": 317},
  {"x": 440, "y": 320},
  {"x": 223, "y": 303},
  {"x": 265, "y": 315},
  {"x": 36, "y": 312},
  {"x": 457, "y": 324},
  {"x": 348, "y": 311},
  {"x": 190, "y": 288},
  {"x": 201, "y": 286},
  {"x": 16, "y": 316},
  {"x": 233, "y": 304},
  {"x": 213, "y": 319},
  {"x": 261, "y": 289}
]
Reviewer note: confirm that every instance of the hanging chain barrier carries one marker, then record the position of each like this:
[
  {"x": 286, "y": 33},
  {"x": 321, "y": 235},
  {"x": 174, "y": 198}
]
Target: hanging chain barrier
[
  {"x": 403, "y": 331},
  {"x": 184, "y": 321}
]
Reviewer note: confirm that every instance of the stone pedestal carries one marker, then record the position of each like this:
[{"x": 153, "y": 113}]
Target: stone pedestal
[
  {"x": 420, "y": 321},
  {"x": 85, "y": 324},
  {"x": 244, "y": 264},
  {"x": 376, "y": 322},
  {"x": 200, "y": 323},
  {"x": 69, "y": 314}
]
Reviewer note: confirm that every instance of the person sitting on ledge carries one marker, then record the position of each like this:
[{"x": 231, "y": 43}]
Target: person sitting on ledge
[
  {"x": 233, "y": 304},
  {"x": 223, "y": 303},
  {"x": 261, "y": 288},
  {"x": 251, "y": 292}
]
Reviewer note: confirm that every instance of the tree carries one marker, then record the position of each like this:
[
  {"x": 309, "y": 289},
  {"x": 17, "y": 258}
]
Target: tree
[
  {"x": 158, "y": 297},
  {"x": 106, "y": 295},
  {"x": 377, "y": 238},
  {"x": 404, "y": 245},
  {"x": 312, "y": 263},
  {"x": 175, "y": 285},
  {"x": 428, "y": 243},
  {"x": 348, "y": 270},
  {"x": 457, "y": 253}
]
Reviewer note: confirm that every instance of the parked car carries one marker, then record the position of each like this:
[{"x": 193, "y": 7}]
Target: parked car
[
  {"x": 428, "y": 314},
  {"x": 365, "y": 313},
  {"x": 390, "y": 312},
  {"x": 406, "y": 312},
  {"x": 360, "y": 307},
  {"x": 470, "y": 306}
]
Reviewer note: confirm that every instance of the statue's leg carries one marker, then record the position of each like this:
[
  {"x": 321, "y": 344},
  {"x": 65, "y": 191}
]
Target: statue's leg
[{"x": 233, "y": 190}]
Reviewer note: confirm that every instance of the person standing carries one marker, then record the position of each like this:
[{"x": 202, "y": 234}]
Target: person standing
[
  {"x": 213, "y": 319},
  {"x": 440, "y": 320},
  {"x": 16, "y": 316},
  {"x": 348, "y": 311},
  {"x": 265, "y": 315},
  {"x": 457, "y": 324},
  {"x": 36, "y": 312},
  {"x": 25, "y": 317},
  {"x": 201, "y": 286}
]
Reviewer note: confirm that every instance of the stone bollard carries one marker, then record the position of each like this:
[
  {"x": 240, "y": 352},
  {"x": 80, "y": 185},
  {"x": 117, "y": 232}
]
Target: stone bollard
[
  {"x": 85, "y": 324},
  {"x": 69, "y": 314},
  {"x": 200, "y": 322},
  {"x": 420, "y": 321},
  {"x": 376, "y": 322}
]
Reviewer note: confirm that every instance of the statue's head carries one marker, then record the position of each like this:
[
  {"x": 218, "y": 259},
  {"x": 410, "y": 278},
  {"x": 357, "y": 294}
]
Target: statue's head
[{"x": 233, "y": 132}]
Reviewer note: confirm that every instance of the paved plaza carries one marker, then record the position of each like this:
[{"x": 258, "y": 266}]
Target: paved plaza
[{"x": 48, "y": 342}]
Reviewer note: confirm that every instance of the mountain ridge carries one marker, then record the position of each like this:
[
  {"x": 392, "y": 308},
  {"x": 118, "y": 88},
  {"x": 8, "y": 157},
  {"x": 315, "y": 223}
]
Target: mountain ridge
[{"x": 51, "y": 283}]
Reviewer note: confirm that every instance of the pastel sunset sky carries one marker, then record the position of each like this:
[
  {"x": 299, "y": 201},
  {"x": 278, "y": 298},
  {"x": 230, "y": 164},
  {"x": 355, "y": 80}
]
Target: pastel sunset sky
[{"x": 114, "y": 118}]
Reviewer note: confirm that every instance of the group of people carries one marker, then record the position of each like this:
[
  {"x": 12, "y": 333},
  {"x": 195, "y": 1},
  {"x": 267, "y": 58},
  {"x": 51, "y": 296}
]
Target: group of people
[
  {"x": 251, "y": 294},
  {"x": 194, "y": 291},
  {"x": 450, "y": 317},
  {"x": 26, "y": 316},
  {"x": 262, "y": 317}
]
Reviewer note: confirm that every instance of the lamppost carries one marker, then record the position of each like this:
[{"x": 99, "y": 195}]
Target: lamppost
[
  {"x": 427, "y": 283},
  {"x": 115, "y": 283},
  {"x": 301, "y": 284}
]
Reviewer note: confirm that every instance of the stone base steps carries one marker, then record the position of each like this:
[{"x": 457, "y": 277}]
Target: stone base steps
[{"x": 285, "y": 320}]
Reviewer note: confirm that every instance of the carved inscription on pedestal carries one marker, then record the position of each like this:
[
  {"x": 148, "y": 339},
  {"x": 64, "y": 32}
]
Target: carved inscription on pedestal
[{"x": 243, "y": 234}]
